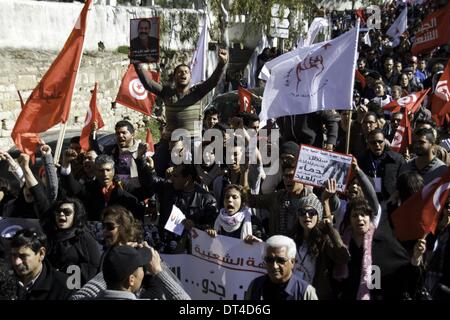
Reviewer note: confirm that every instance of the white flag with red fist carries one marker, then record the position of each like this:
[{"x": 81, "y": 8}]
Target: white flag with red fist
[
  {"x": 132, "y": 93},
  {"x": 314, "y": 78}
]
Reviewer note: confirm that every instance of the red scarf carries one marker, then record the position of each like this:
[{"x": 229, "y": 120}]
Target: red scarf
[{"x": 107, "y": 191}]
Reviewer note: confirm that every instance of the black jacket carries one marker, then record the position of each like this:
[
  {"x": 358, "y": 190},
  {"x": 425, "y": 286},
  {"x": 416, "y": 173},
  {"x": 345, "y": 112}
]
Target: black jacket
[
  {"x": 198, "y": 206},
  {"x": 74, "y": 247},
  {"x": 19, "y": 208},
  {"x": 50, "y": 285},
  {"x": 307, "y": 128},
  {"x": 388, "y": 170},
  {"x": 91, "y": 195}
]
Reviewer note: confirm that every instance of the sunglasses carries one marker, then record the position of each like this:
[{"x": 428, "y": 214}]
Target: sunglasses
[
  {"x": 374, "y": 142},
  {"x": 310, "y": 212},
  {"x": 278, "y": 260},
  {"x": 109, "y": 226},
  {"x": 67, "y": 212}
]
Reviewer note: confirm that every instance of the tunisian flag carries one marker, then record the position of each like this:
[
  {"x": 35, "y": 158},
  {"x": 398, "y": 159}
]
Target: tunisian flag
[
  {"x": 402, "y": 137},
  {"x": 132, "y": 93},
  {"x": 420, "y": 214},
  {"x": 245, "y": 100},
  {"x": 49, "y": 103},
  {"x": 411, "y": 102},
  {"x": 440, "y": 101},
  {"x": 91, "y": 116},
  {"x": 434, "y": 31}
]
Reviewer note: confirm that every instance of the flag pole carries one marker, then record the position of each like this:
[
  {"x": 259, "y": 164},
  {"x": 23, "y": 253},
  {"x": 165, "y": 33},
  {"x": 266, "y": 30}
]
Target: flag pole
[
  {"x": 349, "y": 127},
  {"x": 62, "y": 132}
]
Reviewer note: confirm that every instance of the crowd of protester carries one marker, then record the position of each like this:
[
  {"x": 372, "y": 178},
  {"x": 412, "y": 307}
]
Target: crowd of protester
[{"x": 104, "y": 209}]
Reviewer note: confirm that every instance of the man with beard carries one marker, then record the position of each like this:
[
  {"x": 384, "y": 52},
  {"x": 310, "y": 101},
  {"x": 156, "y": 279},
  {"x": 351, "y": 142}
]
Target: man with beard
[
  {"x": 123, "y": 152},
  {"x": 381, "y": 164},
  {"x": 182, "y": 102},
  {"x": 144, "y": 47},
  {"x": 425, "y": 163}
]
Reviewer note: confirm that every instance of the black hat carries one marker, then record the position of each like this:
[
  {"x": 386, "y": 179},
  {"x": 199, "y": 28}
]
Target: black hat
[
  {"x": 408, "y": 69},
  {"x": 290, "y": 147},
  {"x": 122, "y": 261}
]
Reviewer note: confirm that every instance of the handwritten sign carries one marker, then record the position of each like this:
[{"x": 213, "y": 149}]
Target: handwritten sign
[
  {"x": 174, "y": 223},
  {"x": 315, "y": 166},
  {"x": 219, "y": 268}
]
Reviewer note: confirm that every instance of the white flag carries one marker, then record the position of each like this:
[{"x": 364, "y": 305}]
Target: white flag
[
  {"x": 175, "y": 222},
  {"x": 366, "y": 39},
  {"x": 398, "y": 27},
  {"x": 314, "y": 78},
  {"x": 317, "y": 25},
  {"x": 198, "y": 64},
  {"x": 250, "y": 69},
  {"x": 266, "y": 69}
]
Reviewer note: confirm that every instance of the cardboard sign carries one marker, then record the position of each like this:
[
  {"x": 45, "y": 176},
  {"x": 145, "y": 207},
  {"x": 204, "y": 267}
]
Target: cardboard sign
[
  {"x": 144, "y": 39},
  {"x": 315, "y": 166}
]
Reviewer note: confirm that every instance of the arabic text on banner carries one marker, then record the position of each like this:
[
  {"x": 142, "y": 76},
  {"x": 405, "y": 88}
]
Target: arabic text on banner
[
  {"x": 315, "y": 166},
  {"x": 219, "y": 268}
]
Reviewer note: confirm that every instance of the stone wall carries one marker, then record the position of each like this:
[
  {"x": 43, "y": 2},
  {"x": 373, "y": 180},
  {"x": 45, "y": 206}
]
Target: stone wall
[
  {"x": 33, "y": 32},
  {"x": 22, "y": 70},
  {"x": 46, "y": 25}
]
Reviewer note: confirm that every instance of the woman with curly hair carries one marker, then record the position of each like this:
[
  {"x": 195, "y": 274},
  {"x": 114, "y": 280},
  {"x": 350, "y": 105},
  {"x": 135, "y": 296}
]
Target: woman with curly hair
[{"x": 120, "y": 227}]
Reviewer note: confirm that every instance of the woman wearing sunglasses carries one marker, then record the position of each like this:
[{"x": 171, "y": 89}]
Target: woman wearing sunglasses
[
  {"x": 121, "y": 228},
  {"x": 70, "y": 241},
  {"x": 319, "y": 245}
]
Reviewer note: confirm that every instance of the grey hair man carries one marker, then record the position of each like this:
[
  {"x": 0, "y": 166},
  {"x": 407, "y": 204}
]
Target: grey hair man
[{"x": 280, "y": 283}]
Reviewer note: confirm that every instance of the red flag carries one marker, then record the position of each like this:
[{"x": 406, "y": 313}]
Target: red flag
[
  {"x": 440, "y": 101},
  {"x": 245, "y": 100},
  {"x": 434, "y": 31},
  {"x": 92, "y": 115},
  {"x": 402, "y": 137},
  {"x": 132, "y": 93},
  {"x": 411, "y": 102},
  {"x": 149, "y": 140},
  {"x": 361, "y": 79},
  {"x": 49, "y": 103},
  {"x": 361, "y": 15},
  {"x": 420, "y": 214}
]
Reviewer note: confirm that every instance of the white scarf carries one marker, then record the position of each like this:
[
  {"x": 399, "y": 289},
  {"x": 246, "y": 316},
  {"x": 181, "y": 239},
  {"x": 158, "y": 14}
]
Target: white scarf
[{"x": 232, "y": 223}]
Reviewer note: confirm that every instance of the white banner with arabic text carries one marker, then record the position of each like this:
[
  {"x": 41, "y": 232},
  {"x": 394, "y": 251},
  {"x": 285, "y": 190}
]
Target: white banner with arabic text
[{"x": 219, "y": 268}]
